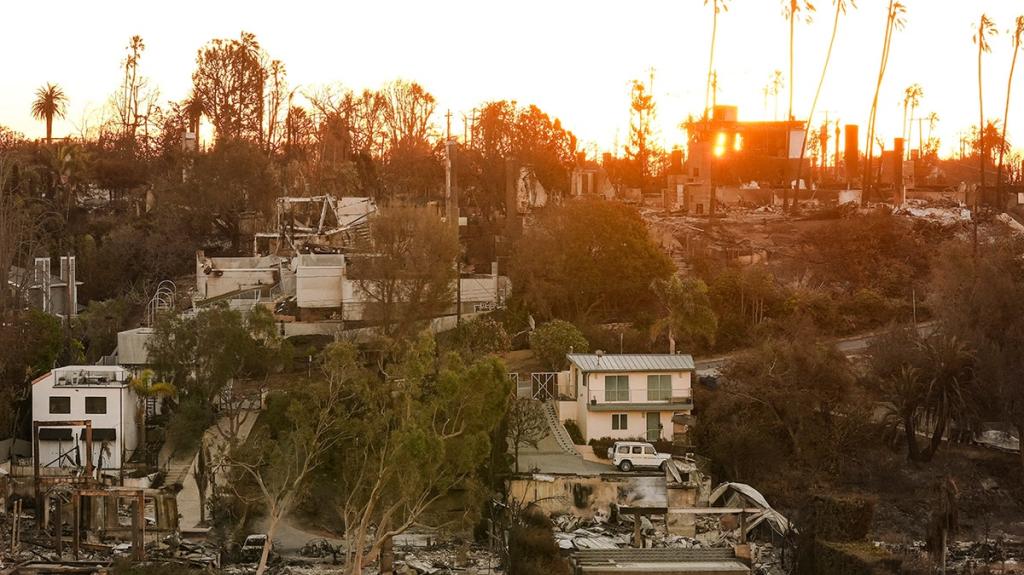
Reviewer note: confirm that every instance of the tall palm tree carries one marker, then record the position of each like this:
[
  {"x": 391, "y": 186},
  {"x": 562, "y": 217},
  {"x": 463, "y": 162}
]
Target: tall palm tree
[
  {"x": 1018, "y": 35},
  {"x": 50, "y": 101},
  {"x": 145, "y": 387},
  {"x": 895, "y": 20},
  {"x": 911, "y": 100},
  {"x": 719, "y": 7},
  {"x": 840, "y": 10},
  {"x": 986, "y": 29},
  {"x": 790, "y": 9}
]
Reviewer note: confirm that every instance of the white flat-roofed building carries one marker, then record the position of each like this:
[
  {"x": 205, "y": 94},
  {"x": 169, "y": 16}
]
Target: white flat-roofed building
[{"x": 98, "y": 393}]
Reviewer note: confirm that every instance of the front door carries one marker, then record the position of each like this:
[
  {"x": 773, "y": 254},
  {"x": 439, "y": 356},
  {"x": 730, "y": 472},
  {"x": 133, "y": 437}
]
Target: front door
[{"x": 653, "y": 426}]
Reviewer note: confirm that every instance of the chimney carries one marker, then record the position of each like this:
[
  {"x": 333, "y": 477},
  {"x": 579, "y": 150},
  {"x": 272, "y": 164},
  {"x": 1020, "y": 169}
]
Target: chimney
[
  {"x": 72, "y": 289},
  {"x": 676, "y": 161}
]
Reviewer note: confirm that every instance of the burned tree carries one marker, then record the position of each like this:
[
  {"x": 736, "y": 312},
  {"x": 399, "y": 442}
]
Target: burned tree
[{"x": 527, "y": 426}]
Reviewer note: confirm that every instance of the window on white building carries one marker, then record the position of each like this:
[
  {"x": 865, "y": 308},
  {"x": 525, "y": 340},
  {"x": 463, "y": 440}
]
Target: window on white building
[
  {"x": 619, "y": 422},
  {"x": 96, "y": 405},
  {"x": 659, "y": 387},
  {"x": 60, "y": 404},
  {"x": 616, "y": 388}
]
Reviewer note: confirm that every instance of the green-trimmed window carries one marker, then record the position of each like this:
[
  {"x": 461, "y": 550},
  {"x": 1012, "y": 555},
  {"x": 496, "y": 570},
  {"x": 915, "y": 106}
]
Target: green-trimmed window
[
  {"x": 616, "y": 388},
  {"x": 659, "y": 387},
  {"x": 619, "y": 422}
]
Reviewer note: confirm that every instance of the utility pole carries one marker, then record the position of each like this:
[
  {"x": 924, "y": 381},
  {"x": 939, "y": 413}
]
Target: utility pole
[
  {"x": 835, "y": 166},
  {"x": 451, "y": 209},
  {"x": 472, "y": 128}
]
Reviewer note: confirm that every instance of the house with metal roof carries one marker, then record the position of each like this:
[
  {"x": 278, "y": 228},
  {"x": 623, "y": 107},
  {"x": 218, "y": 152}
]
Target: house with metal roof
[{"x": 627, "y": 396}]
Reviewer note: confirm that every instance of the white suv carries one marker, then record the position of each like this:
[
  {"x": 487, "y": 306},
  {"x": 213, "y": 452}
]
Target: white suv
[{"x": 629, "y": 454}]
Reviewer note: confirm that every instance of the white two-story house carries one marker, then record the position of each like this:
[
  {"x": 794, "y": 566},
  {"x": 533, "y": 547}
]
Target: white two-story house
[
  {"x": 98, "y": 393},
  {"x": 630, "y": 396}
]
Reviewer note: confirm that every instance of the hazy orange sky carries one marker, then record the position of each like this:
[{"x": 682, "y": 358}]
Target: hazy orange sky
[{"x": 573, "y": 58}]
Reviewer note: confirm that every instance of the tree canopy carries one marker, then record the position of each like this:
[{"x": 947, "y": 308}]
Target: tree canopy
[{"x": 588, "y": 259}]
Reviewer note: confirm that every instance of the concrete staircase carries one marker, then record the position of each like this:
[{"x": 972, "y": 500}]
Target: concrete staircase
[
  {"x": 178, "y": 470},
  {"x": 558, "y": 432}
]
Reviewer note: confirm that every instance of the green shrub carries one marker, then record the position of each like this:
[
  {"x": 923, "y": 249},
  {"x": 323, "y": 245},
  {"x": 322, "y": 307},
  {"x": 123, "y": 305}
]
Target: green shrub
[
  {"x": 574, "y": 431},
  {"x": 188, "y": 424},
  {"x": 476, "y": 338},
  {"x": 553, "y": 340}
]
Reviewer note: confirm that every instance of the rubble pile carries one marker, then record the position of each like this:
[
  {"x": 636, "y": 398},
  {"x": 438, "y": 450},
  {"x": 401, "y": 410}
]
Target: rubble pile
[
  {"x": 443, "y": 560},
  {"x": 1005, "y": 557}
]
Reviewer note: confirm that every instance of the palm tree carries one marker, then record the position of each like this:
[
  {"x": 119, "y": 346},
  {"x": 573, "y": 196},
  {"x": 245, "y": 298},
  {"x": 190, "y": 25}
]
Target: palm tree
[
  {"x": 50, "y": 101},
  {"x": 905, "y": 392},
  {"x": 950, "y": 369},
  {"x": 777, "y": 82},
  {"x": 840, "y": 10},
  {"x": 688, "y": 312},
  {"x": 986, "y": 29},
  {"x": 933, "y": 120},
  {"x": 911, "y": 100},
  {"x": 719, "y": 6},
  {"x": 895, "y": 20},
  {"x": 790, "y": 10},
  {"x": 145, "y": 387},
  {"x": 1018, "y": 35}
]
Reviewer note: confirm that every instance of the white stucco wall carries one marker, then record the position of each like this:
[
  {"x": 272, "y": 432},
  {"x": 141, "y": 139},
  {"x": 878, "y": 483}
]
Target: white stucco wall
[
  {"x": 319, "y": 287},
  {"x": 121, "y": 413},
  {"x": 594, "y": 387},
  {"x": 131, "y": 346},
  {"x": 598, "y": 424}
]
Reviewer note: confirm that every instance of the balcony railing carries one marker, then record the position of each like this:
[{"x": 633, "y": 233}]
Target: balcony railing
[{"x": 639, "y": 394}]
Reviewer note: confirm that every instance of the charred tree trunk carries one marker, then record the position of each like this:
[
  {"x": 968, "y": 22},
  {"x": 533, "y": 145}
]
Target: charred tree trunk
[{"x": 910, "y": 430}]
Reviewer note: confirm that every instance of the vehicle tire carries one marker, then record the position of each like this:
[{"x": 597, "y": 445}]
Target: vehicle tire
[
  {"x": 662, "y": 466},
  {"x": 625, "y": 466}
]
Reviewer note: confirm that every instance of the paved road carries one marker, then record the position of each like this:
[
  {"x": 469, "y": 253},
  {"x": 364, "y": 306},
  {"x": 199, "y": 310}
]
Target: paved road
[{"x": 848, "y": 345}]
